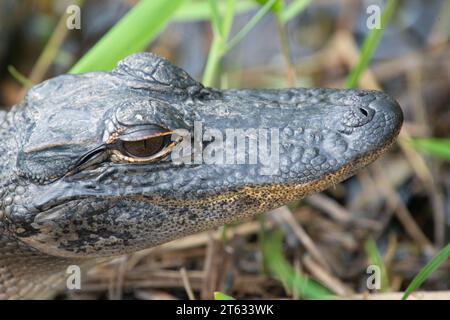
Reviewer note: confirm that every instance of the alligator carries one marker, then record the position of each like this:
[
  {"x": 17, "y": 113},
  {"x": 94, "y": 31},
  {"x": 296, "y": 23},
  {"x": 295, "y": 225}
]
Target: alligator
[{"x": 92, "y": 164}]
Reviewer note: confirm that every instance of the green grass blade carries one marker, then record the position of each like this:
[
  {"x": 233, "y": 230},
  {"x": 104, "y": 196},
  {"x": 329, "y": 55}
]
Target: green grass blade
[
  {"x": 217, "y": 49},
  {"x": 192, "y": 11},
  {"x": 439, "y": 148},
  {"x": 230, "y": 12},
  {"x": 131, "y": 34},
  {"x": 294, "y": 9},
  {"x": 375, "y": 258},
  {"x": 370, "y": 45},
  {"x": 222, "y": 296},
  {"x": 250, "y": 25},
  {"x": 216, "y": 20},
  {"x": 219, "y": 46},
  {"x": 22, "y": 79},
  {"x": 281, "y": 269},
  {"x": 423, "y": 275},
  {"x": 276, "y": 7}
]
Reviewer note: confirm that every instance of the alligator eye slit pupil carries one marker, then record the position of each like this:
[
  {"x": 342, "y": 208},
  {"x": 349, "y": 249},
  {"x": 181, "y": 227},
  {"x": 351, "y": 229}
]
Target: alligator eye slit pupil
[{"x": 144, "y": 148}]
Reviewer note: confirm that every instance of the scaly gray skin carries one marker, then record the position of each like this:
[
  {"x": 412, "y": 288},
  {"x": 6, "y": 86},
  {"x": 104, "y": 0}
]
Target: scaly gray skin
[{"x": 62, "y": 204}]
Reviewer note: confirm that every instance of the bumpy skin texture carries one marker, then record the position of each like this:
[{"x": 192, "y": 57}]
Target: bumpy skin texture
[{"x": 54, "y": 213}]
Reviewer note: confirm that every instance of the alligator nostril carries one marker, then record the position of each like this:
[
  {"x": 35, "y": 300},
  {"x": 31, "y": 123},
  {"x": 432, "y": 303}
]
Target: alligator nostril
[
  {"x": 364, "y": 112},
  {"x": 357, "y": 116}
]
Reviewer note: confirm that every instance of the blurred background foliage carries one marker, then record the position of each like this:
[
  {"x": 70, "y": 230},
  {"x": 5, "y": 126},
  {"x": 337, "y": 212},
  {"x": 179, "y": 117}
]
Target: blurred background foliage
[{"x": 394, "y": 215}]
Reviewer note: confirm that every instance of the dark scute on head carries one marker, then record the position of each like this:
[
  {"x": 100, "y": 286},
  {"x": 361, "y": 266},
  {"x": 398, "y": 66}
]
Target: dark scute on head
[{"x": 156, "y": 73}]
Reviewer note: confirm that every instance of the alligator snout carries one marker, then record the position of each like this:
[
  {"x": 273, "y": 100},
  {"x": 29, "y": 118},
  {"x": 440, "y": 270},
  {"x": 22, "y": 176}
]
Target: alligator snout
[
  {"x": 385, "y": 106},
  {"x": 375, "y": 120}
]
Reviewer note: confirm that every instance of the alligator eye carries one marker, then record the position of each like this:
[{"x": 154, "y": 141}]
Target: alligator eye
[
  {"x": 142, "y": 144},
  {"x": 145, "y": 148}
]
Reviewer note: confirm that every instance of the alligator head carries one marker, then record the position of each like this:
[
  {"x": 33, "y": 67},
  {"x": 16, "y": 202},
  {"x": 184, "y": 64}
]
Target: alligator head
[{"x": 112, "y": 162}]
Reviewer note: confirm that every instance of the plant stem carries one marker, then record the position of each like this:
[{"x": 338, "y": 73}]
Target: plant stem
[
  {"x": 284, "y": 44},
  {"x": 249, "y": 26},
  {"x": 221, "y": 30},
  {"x": 370, "y": 45}
]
